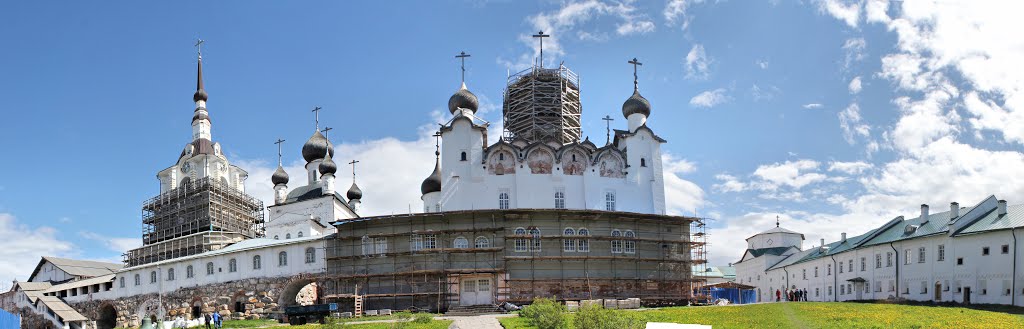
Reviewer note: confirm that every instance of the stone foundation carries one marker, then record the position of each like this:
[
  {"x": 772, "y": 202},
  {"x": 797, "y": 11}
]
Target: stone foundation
[{"x": 259, "y": 298}]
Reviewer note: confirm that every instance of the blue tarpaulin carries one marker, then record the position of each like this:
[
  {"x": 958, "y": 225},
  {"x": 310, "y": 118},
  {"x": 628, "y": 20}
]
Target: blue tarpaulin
[
  {"x": 734, "y": 295},
  {"x": 8, "y": 320}
]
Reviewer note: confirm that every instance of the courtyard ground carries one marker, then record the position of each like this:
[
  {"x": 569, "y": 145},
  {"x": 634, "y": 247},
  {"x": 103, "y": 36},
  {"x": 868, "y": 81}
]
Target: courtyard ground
[{"x": 822, "y": 315}]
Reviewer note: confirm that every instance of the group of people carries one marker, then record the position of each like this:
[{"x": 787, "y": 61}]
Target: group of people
[
  {"x": 213, "y": 320},
  {"x": 791, "y": 295}
]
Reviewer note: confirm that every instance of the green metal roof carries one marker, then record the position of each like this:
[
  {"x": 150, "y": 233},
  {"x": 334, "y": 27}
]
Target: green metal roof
[{"x": 1014, "y": 217}]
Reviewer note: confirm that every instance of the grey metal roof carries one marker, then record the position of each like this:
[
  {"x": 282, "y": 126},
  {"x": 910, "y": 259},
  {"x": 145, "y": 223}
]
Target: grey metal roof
[
  {"x": 86, "y": 268},
  {"x": 464, "y": 99},
  {"x": 199, "y": 146},
  {"x": 82, "y": 283},
  {"x": 248, "y": 244},
  {"x": 33, "y": 286},
  {"x": 636, "y": 104},
  {"x": 314, "y": 148},
  {"x": 778, "y": 230},
  {"x": 62, "y": 309}
]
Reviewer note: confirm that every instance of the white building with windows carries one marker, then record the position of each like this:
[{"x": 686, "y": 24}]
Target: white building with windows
[{"x": 965, "y": 255}]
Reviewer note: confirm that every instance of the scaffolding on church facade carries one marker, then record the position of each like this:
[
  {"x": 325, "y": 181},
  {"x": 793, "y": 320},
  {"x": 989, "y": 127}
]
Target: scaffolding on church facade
[
  {"x": 699, "y": 251},
  {"x": 543, "y": 104},
  {"x": 197, "y": 217}
]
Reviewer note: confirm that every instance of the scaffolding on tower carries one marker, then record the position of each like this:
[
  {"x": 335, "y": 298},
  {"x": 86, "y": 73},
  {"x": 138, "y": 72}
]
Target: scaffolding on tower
[
  {"x": 699, "y": 256},
  {"x": 543, "y": 104}
]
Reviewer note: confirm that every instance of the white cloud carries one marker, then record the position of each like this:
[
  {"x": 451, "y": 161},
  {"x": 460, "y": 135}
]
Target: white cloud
[
  {"x": 854, "y": 48},
  {"x": 766, "y": 93},
  {"x": 794, "y": 174},
  {"x": 875, "y": 10},
  {"x": 849, "y": 168},
  {"x": 812, "y": 106},
  {"x": 762, "y": 63},
  {"x": 676, "y": 12},
  {"x": 709, "y": 98},
  {"x": 855, "y": 85},
  {"x": 851, "y": 123},
  {"x": 21, "y": 246},
  {"x": 729, "y": 183},
  {"x": 697, "y": 63},
  {"x": 119, "y": 245},
  {"x": 681, "y": 196},
  {"x": 635, "y": 27},
  {"x": 847, "y": 11}
]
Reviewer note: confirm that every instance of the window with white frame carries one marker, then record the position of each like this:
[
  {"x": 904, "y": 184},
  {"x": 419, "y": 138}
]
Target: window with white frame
[
  {"x": 282, "y": 258},
  {"x": 380, "y": 245},
  {"x": 367, "y": 245},
  {"x": 863, "y": 264},
  {"x": 888, "y": 259},
  {"x": 583, "y": 243},
  {"x": 482, "y": 242},
  {"x": 152, "y": 277},
  {"x": 287, "y": 236},
  {"x": 209, "y": 268},
  {"x": 257, "y": 262},
  {"x": 416, "y": 242},
  {"x": 299, "y": 234},
  {"x": 568, "y": 240},
  {"x": 189, "y": 272},
  {"x": 920, "y": 255},
  {"x": 906, "y": 256},
  {"x": 310, "y": 255},
  {"x": 840, "y": 267},
  {"x": 815, "y": 271},
  {"x": 616, "y": 242},
  {"x": 170, "y": 274},
  {"x": 805, "y": 273},
  {"x": 559, "y": 198},
  {"x": 232, "y": 265},
  {"x": 878, "y": 286},
  {"x": 121, "y": 281},
  {"x": 924, "y": 287},
  {"x": 460, "y": 243},
  {"x": 630, "y": 242},
  {"x": 534, "y": 239},
  {"x": 430, "y": 241},
  {"x": 829, "y": 272},
  {"x": 520, "y": 241},
  {"x": 849, "y": 268},
  {"x": 867, "y": 286},
  {"x": 503, "y": 199},
  {"x": 138, "y": 280},
  {"x": 878, "y": 260},
  {"x": 941, "y": 253},
  {"x": 609, "y": 200}
]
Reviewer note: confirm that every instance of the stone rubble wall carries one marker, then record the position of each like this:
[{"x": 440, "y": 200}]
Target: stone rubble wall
[{"x": 260, "y": 298}]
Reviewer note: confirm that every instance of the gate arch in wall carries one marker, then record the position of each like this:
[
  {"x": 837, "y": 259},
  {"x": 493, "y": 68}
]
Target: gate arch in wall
[
  {"x": 152, "y": 309},
  {"x": 308, "y": 287},
  {"x": 107, "y": 317}
]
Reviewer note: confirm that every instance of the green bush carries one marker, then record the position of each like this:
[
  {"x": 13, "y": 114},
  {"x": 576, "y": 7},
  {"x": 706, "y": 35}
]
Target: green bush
[
  {"x": 423, "y": 318},
  {"x": 546, "y": 313},
  {"x": 597, "y": 317}
]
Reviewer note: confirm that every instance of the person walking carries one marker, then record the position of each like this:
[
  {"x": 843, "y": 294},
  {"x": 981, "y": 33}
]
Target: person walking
[
  {"x": 778, "y": 295},
  {"x": 216, "y": 320},
  {"x": 805, "y": 294},
  {"x": 207, "y": 319}
]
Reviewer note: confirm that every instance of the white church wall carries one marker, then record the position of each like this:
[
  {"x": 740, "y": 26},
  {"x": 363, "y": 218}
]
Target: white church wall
[{"x": 51, "y": 273}]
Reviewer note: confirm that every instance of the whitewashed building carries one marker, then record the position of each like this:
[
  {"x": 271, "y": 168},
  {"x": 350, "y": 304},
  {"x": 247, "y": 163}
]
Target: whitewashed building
[{"x": 964, "y": 255}]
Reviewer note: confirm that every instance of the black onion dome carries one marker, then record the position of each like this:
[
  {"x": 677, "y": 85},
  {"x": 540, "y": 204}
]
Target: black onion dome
[
  {"x": 433, "y": 182},
  {"x": 354, "y": 193},
  {"x": 279, "y": 176},
  {"x": 328, "y": 166},
  {"x": 315, "y": 147},
  {"x": 200, "y": 95},
  {"x": 636, "y": 104},
  {"x": 463, "y": 98}
]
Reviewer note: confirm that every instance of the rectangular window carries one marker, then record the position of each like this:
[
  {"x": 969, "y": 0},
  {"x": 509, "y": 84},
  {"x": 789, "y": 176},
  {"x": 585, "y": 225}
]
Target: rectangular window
[
  {"x": 892, "y": 285},
  {"x": 609, "y": 200},
  {"x": 380, "y": 245},
  {"x": 830, "y": 290},
  {"x": 867, "y": 286},
  {"x": 863, "y": 264},
  {"x": 817, "y": 292},
  {"x": 1005, "y": 249},
  {"x": 1006, "y": 288},
  {"x": 906, "y": 256},
  {"x": 829, "y": 271},
  {"x": 984, "y": 251},
  {"x": 849, "y": 267},
  {"x": 815, "y": 271},
  {"x": 805, "y": 274},
  {"x": 568, "y": 245},
  {"x": 920, "y": 255},
  {"x": 503, "y": 199},
  {"x": 416, "y": 242},
  {"x": 942, "y": 253},
  {"x": 840, "y": 268},
  {"x": 429, "y": 241},
  {"x": 984, "y": 286},
  {"x": 959, "y": 260},
  {"x": 878, "y": 286},
  {"x": 559, "y": 199},
  {"x": 924, "y": 287},
  {"x": 888, "y": 259},
  {"x": 520, "y": 245},
  {"x": 878, "y": 260}
]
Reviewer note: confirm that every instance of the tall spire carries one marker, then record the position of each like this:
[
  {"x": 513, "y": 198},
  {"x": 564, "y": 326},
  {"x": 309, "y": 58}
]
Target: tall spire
[{"x": 200, "y": 94}]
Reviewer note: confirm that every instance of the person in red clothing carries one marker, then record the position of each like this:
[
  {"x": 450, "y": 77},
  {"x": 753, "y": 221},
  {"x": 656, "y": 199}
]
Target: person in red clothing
[{"x": 778, "y": 295}]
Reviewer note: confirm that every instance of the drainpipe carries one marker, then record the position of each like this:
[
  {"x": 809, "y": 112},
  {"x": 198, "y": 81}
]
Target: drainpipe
[
  {"x": 787, "y": 278},
  {"x": 1013, "y": 279},
  {"x": 897, "y": 270},
  {"x": 835, "y": 279}
]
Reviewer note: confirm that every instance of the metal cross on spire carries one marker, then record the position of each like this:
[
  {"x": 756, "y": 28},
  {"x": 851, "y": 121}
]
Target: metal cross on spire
[
  {"x": 437, "y": 144},
  {"x": 199, "y": 47},
  {"x": 316, "y": 116},
  {"x": 327, "y": 142},
  {"x": 776, "y": 220},
  {"x": 540, "y": 35},
  {"x": 635, "y": 64},
  {"x": 353, "y": 163},
  {"x": 462, "y": 56},
  {"x": 607, "y": 129},
  {"x": 279, "y": 142}
]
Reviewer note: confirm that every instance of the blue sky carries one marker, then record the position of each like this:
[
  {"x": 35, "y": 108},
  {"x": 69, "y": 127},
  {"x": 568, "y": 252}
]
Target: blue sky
[{"x": 833, "y": 115}]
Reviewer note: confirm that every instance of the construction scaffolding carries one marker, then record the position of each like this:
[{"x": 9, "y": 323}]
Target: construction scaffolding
[
  {"x": 699, "y": 251},
  {"x": 200, "y": 216},
  {"x": 543, "y": 104}
]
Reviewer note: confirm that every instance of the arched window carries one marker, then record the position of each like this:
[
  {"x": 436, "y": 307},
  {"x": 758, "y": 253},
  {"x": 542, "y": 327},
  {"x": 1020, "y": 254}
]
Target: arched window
[
  {"x": 460, "y": 243},
  {"x": 209, "y": 268},
  {"x": 170, "y": 274},
  {"x": 138, "y": 279},
  {"x": 583, "y": 244},
  {"x": 299, "y": 235},
  {"x": 232, "y": 265},
  {"x": 568, "y": 241},
  {"x": 287, "y": 236},
  {"x": 503, "y": 201},
  {"x": 643, "y": 162},
  {"x": 257, "y": 263},
  {"x": 310, "y": 255},
  {"x": 482, "y": 242},
  {"x": 277, "y": 237},
  {"x": 630, "y": 243},
  {"x": 535, "y": 238},
  {"x": 121, "y": 280},
  {"x": 152, "y": 277},
  {"x": 463, "y": 157},
  {"x": 616, "y": 243},
  {"x": 520, "y": 243},
  {"x": 282, "y": 259},
  {"x": 501, "y": 156},
  {"x": 189, "y": 272},
  {"x": 367, "y": 245}
]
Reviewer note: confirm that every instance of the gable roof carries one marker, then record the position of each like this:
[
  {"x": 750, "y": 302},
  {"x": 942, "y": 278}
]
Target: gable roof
[{"x": 86, "y": 268}]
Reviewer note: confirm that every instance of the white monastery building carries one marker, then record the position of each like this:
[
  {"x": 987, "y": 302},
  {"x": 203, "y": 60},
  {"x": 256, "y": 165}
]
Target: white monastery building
[{"x": 965, "y": 255}]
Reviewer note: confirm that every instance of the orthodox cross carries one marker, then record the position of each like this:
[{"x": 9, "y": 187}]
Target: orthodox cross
[
  {"x": 199, "y": 46},
  {"x": 327, "y": 141},
  {"x": 635, "y": 64},
  {"x": 462, "y": 56},
  {"x": 353, "y": 163},
  {"x": 607, "y": 129},
  {"x": 279, "y": 142},
  {"x": 776, "y": 220},
  {"x": 437, "y": 144},
  {"x": 540, "y": 35},
  {"x": 316, "y": 116}
]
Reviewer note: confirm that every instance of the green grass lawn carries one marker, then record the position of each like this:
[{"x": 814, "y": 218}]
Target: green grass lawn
[
  {"x": 248, "y": 323},
  {"x": 823, "y": 315},
  {"x": 435, "y": 324}
]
